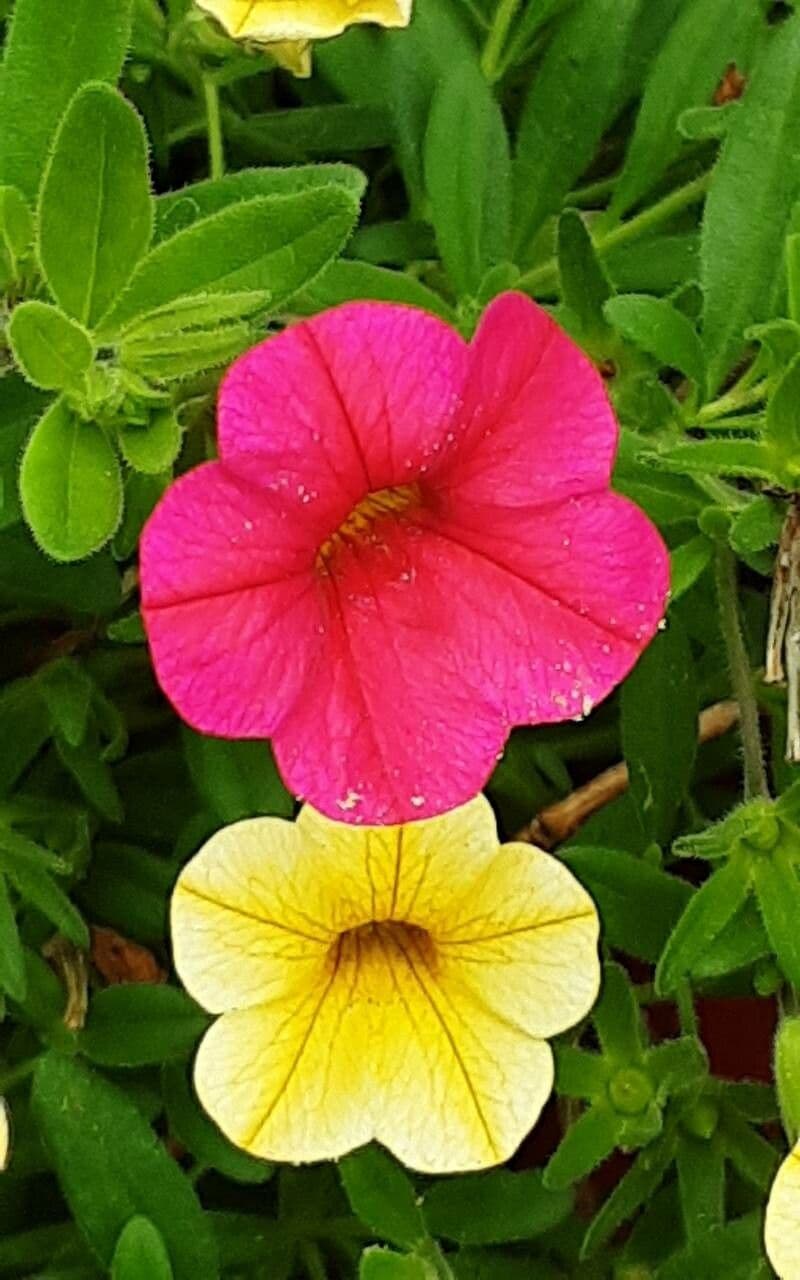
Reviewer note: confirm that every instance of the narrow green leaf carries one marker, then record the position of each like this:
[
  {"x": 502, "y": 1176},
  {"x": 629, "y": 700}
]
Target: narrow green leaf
[
  {"x": 201, "y": 1137},
  {"x": 580, "y": 1074},
  {"x": 701, "y": 1183},
  {"x": 732, "y": 1252},
  {"x": 383, "y": 1196},
  {"x": 93, "y": 776},
  {"x": 133, "y": 1025},
  {"x": 755, "y": 1159},
  {"x": 36, "y": 887},
  {"x": 274, "y": 243},
  {"x": 716, "y": 458},
  {"x": 757, "y": 527},
  {"x": 586, "y": 1144},
  {"x": 660, "y": 747},
  {"x": 468, "y": 176},
  {"x": 639, "y": 904},
  {"x": 112, "y": 1167},
  {"x": 778, "y": 891},
  {"x": 755, "y": 185},
  {"x": 12, "y": 959},
  {"x": 345, "y": 280},
  {"x": 95, "y": 210},
  {"x": 572, "y": 99},
  {"x": 585, "y": 287},
  {"x": 67, "y": 691},
  {"x": 656, "y": 326},
  {"x": 54, "y": 352},
  {"x": 709, "y": 910},
  {"x": 687, "y": 563},
  {"x": 494, "y": 1208},
  {"x": 782, "y": 434},
  {"x": 383, "y": 1264},
  {"x": 236, "y": 779},
  {"x": 70, "y": 485},
  {"x": 638, "y": 1185},
  {"x": 52, "y": 49},
  {"x": 616, "y": 1017},
  {"x": 25, "y": 726},
  {"x": 153, "y": 447},
  {"x": 198, "y": 311},
  {"x": 707, "y": 35},
  {"x": 16, "y": 227},
  {"x": 141, "y": 1253},
  {"x": 182, "y": 355}
]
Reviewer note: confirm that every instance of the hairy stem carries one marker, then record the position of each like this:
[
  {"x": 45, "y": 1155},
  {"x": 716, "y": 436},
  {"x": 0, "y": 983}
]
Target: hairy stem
[
  {"x": 755, "y": 777},
  {"x": 216, "y": 152}
]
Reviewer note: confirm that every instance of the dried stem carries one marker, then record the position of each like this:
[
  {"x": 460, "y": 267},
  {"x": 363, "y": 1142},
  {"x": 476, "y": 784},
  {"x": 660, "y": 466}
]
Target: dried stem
[{"x": 559, "y": 821}]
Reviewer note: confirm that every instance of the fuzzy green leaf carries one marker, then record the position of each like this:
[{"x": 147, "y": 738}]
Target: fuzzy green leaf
[
  {"x": 53, "y": 352},
  {"x": 140, "y": 1253},
  {"x": 659, "y": 329},
  {"x": 153, "y": 447}
]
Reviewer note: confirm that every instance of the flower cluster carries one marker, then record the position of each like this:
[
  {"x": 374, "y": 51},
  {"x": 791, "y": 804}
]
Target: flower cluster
[{"x": 408, "y": 546}]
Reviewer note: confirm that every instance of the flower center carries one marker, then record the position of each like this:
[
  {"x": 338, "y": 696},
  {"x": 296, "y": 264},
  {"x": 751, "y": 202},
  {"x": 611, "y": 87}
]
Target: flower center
[
  {"x": 359, "y": 523},
  {"x": 372, "y": 954}
]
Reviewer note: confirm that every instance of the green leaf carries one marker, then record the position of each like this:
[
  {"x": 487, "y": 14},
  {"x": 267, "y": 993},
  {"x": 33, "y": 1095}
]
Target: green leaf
[
  {"x": 782, "y": 434},
  {"x": 383, "y": 1264},
  {"x": 133, "y": 1025},
  {"x": 16, "y": 227},
  {"x": 52, "y": 351},
  {"x": 787, "y": 1075},
  {"x": 13, "y": 979},
  {"x": 236, "y": 779},
  {"x": 493, "y": 1208},
  {"x": 687, "y": 563},
  {"x": 639, "y": 904},
  {"x": 468, "y": 176},
  {"x": 586, "y": 1144},
  {"x": 95, "y": 210},
  {"x": 67, "y": 691},
  {"x": 656, "y": 326},
  {"x": 92, "y": 774},
  {"x": 616, "y": 1018},
  {"x": 182, "y": 355},
  {"x": 151, "y": 448},
  {"x": 112, "y": 1167},
  {"x": 383, "y": 1196},
  {"x": 585, "y": 287},
  {"x": 753, "y": 1158},
  {"x": 24, "y": 728},
  {"x": 274, "y": 243},
  {"x": 128, "y": 888},
  {"x": 303, "y": 132},
  {"x": 660, "y": 747},
  {"x": 698, "y": 124},
  {"x": 36, "y": 887},
  {"x": 201, "y": 1137},
  {"x": 778, "y": 892},
  {"x": 29, "y": 578},
  {"x": 709, "y": 910},
  {"x": 732, "y": 1252},
  {"x": 177, "y": 210},
  {"x": 701, "y": 1182},
  {"x": 756, "y": 182},
  {"x": 637, "y": 1186},
  {"x": 70, "y": 485},
  {"x": 52, "y": 49},
  {"x": 198, "y": 311},
  {"x": 344, "y": 280},
  {"x": 572, "y": 99},
  {"x": 580, "y": 1074},
  {"x": 739, "y": 944},
  {"x": 716, "y": 458},
  {"x": 141, "y": 1253},
  {"x": 707, "y": 35},
  {"x": 757, "y": 527}
]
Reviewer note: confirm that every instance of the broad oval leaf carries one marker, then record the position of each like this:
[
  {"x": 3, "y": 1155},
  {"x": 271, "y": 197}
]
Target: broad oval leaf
[
  {"x": 135, "y": 1024},
  {"x": 52, "y": 351},
  {"x": 141, "y": 1253}
]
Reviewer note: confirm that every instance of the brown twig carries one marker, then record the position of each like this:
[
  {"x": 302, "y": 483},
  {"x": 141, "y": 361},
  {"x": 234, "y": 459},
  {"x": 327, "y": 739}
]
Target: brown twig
[{"x": 559, "y": 821}]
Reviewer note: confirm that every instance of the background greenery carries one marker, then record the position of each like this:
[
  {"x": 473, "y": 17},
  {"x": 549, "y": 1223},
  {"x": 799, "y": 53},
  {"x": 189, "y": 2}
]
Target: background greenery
[{"x": 634, "y": 164}]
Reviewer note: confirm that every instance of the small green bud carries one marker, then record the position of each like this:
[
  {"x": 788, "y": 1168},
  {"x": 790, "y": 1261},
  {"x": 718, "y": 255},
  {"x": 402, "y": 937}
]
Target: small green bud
[
  {"x": 787, "y": 1075},
  {"x": 763, "y": 830},
  {"x": 702, "y": 1119},
  {"x": 767, "y": 978},
  {"x": 630, "y": 1090},
  {"x": 715, "y": 522}
]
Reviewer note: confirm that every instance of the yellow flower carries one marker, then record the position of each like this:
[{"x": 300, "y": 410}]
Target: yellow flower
[
  {"x": 293, "y": 55},
  {"x": 5, "y": 1135},
  {"x": 782, "y": 1225},
  {"x": 272, "y": 21},
  {"x": 395, "y": 983}
]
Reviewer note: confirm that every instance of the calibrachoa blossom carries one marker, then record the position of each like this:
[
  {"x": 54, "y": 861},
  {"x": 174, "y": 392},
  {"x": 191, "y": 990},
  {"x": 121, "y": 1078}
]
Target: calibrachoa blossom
[
  {"x": 782, "y": 1226},
  {"x": 5, "y": 1135},
  {"x": 287, "y": 26},
  {"x": 395, "y": 983},
  {"x": 407, "y": 547}
]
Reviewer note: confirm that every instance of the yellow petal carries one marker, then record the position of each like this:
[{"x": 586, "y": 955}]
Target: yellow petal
[
  {"x": 410, "y": 873},
  {"x": 293, "y": 55},
  {"x": 5, "y": 1135},
  {"x": 288, "y": 1080},
  {"x": 456, "y": 1088},
  {"x": 247, "y": 925},
  {"x": 782, "y": 1225},
  {"x": 274, "y": 20},
  {"x": 522, "y": 940}
]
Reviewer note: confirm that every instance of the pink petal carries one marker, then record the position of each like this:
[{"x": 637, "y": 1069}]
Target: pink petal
[
  {"x": 230, "y": 602},
  {"x": 576, "y": 592},
  {"x": 403, "y": 720},
  {"x": 357, "y": 399},
  {"x": 537, "y": 424}
]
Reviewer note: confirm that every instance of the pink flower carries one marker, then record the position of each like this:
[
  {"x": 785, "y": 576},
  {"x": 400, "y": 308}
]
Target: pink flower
[{"x": 407, "y": 547}]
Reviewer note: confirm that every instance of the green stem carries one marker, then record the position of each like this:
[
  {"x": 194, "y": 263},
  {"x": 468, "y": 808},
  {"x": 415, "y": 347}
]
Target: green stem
[
  {"x": 737, "y": 398},
  {"x": 755, "y": 777},
  {"x": 686, "y": 1011},
  {"x": 495, "y": 41},
  {"x": 545, "y": 277},
  {"x": 216, "y": 153},
  {"x": 313, "y": 1260}
]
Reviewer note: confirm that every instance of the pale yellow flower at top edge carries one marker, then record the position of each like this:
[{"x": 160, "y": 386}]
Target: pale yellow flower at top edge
[
  {"x": 271, "y": 21},
  {"x": 782, "y": 1223},
  {"x": 292, "y": 55},
  {"x": 389, "y": 983}
]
